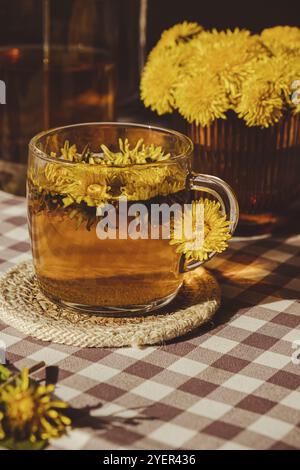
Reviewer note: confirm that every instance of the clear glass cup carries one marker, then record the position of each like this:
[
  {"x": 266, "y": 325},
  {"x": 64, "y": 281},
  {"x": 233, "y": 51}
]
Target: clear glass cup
[{"x": 79, "y": 265}]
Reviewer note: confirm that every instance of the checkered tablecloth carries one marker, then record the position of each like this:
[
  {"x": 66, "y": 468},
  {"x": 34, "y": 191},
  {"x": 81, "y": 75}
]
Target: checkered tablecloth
[{"x": 231, "y": 385}]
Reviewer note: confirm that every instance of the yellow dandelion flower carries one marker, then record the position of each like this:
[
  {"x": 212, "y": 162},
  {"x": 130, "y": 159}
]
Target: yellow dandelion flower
[
  {"x": 56, "y": 177},
  {"x": 284, "y": 39},
  {"x": 89, "y": 184},
  {"x": 281, "y": 70},
  {"x": 260, "y": 104},
  {"x": 148, "y": 182},
  {"x": 30, "y": 412},
  {"x": 228, "y": 55},
  {"x": 77, "y": 183},
  {"x": 160, "y": 77},
  {"x": 200, "y": 238},
  {"x": 288, "y": 76},
  {"x": 178, "y": 33},
  {"x": 201, "y": 99}
]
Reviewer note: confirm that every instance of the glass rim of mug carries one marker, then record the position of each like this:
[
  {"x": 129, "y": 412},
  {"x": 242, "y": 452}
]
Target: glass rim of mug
[{"x": 189, "y": 146}]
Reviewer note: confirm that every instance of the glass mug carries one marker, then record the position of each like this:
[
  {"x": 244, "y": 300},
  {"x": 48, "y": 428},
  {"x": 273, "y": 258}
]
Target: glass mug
[{"x": 76, "y": 265}]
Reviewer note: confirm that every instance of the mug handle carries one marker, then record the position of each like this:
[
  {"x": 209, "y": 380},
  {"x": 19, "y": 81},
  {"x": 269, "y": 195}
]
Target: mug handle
[{"x": 221, "y": 191}]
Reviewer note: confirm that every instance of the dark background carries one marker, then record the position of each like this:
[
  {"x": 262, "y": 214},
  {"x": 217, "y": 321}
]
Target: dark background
[{"x": 254, "y": 15}]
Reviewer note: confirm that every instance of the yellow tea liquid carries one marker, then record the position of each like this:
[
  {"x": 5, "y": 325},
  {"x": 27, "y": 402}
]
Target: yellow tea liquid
[{"x": 73, "y": 264}]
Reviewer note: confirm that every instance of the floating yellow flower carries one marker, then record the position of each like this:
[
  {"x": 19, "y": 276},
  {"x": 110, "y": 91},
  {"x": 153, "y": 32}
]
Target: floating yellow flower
[
  {"x": 28, "y": 411},
  {"x": 75, "y": 183},
  {"x": 201, "y": 99},
  {"x": 89, "y": 184},
  {"x": 261, "y": 104},
  {"x": 204, "y": 230},
  {"x": 148, "y": 182},
  {"x": 129, "y": 172}
]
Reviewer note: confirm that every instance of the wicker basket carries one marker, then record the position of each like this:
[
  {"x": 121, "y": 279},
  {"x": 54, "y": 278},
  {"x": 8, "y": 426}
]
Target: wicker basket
[{"x": 261, "y": 165}]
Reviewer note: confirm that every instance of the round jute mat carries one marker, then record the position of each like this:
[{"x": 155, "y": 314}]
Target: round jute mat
[{"x": 24, "y": 307}]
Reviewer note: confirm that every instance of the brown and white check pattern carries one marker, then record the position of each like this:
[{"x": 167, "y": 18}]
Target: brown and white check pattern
[{"x": 232, "y": 385}]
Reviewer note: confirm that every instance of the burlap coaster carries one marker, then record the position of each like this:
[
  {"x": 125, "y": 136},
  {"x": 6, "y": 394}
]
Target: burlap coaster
[{"x": 23, "y": 306}]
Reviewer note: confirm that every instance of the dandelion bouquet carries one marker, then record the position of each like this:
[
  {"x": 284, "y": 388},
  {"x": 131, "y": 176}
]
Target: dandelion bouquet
[
  {"x": 205, "y": 74},
  {"x": 233, "y": 93}
]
